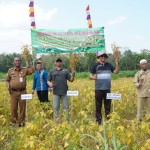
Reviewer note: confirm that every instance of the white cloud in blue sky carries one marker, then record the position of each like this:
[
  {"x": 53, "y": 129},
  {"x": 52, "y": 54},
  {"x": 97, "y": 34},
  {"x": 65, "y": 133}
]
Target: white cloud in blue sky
[
  {"x": 118, "y": 20},
  {"x": 15, "y": 24}
]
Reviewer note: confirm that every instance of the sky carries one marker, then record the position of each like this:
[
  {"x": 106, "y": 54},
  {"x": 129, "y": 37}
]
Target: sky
[{"x": 126, "y": 22}]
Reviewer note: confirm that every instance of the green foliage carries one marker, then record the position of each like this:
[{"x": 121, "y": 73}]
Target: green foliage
[
  {"x": 129, "y": 60},
  {"x": 2, "y": 75},
  {"x": 83, "y": 75}
]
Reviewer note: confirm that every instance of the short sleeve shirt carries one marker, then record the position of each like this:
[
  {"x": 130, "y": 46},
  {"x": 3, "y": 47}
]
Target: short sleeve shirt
[
  {"x": 59, "y": 79},
  {"x": 103, "y": 72},
  {"x": 17, "y": 77}
]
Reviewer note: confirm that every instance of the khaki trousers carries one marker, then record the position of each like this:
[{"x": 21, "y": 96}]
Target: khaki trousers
[
  {"x": 143, "y": 101},
  {"x": 15, "y": 100}
]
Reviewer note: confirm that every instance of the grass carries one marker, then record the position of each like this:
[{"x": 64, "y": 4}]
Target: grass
[
  {"x": 2, "y": 75},
  {"x": 127, "y": 74},
  {"x": 82, "y": 75}
]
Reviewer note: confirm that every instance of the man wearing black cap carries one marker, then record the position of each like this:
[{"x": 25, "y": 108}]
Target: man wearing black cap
[
  {"x": 57, "y": 79},
  {"x": 101, "y": 73}
]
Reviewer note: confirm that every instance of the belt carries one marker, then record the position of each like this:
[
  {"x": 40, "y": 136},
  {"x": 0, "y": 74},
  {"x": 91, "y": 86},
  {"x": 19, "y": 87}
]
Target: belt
[{"x": 18, "y": 90}]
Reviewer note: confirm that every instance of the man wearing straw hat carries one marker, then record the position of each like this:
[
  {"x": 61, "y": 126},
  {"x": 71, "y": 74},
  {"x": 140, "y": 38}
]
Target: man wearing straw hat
[
  {"x": 101, "y": 73},
  {"x": 142, "y": 83}
]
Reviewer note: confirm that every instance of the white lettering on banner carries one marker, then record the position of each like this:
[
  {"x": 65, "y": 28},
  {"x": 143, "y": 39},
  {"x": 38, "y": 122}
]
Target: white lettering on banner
[
  {"x": 26, "y": 96},
  {"x": 72, "y": 93},
  {"x": 113, "y": 96}
]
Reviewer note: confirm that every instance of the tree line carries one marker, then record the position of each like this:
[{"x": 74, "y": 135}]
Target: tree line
[{"x": 128, "y": 60}]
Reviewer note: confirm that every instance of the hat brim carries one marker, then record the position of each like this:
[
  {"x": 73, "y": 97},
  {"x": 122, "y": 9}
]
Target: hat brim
[
  {"x": 103, "y": 54},
  {"x": 58, "y": 60}
]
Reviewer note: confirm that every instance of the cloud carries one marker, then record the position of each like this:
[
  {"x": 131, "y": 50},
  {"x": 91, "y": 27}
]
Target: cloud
[
  {"x": 138, "y": 37},
  {"x": 118, "y": 20},
  {"x": 15, "y": 23},
  {"x": 43, "y": 18}
]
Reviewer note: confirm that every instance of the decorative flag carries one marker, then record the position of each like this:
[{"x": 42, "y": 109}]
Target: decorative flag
[
  {"x": 31, "y": 14},
  {"x": 88, "y": 17}
]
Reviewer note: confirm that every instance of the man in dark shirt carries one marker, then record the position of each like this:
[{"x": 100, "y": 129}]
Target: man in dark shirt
[
  {"x": 57, "y": 79},
  {"x": 101, "y": 73}
]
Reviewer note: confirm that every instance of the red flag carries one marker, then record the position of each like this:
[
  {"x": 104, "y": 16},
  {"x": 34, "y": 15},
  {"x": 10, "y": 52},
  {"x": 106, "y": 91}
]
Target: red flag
[
  {"x": 88, "y": 7},
  {"x": 90, "y": 26},
  {"x": 31, "y": 14}
]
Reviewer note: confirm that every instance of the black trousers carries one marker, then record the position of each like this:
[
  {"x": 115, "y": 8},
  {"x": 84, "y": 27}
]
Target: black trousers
[
  {"x": 100, "y": 95},
  {"x": 43, "y": 95}
]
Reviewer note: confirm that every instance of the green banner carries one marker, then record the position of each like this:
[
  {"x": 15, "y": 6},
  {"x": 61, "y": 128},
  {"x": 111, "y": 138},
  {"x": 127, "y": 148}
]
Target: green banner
[{"x": 68, "y": 41}]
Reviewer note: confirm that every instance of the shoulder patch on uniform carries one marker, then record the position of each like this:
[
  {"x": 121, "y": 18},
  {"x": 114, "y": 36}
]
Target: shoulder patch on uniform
[
  {"x": 138, "y": 72},
  {"x": 11, "y": 68}
]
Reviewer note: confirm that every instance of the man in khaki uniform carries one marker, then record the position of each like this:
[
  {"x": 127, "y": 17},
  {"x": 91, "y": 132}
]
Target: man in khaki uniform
[
  {"x": 16, "y": 84},
  {"x": 142, "y": 83}
]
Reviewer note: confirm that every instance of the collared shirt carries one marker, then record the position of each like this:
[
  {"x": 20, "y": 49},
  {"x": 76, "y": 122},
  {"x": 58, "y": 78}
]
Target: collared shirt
[
  {"x": 17, "y": 77},
  {"x": 40, "y": 80},
  {"x": 144, "y": 78},
  {"x": 103, "y": 73},
  {"x": 59, "y": 79}
]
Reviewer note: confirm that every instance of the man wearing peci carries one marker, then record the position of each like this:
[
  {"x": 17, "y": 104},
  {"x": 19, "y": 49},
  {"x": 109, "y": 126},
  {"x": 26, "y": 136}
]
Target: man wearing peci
[{"x": 142, "y": 84}]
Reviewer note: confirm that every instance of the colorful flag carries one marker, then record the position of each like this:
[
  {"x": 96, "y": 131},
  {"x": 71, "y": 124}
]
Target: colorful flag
[
  {"x": 88, "y": 17},
  {"x": 31, "y": 14}
]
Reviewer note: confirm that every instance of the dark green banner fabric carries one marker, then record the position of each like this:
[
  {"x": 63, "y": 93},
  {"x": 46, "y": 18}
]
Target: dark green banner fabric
[{"x": 68, "y": 41}]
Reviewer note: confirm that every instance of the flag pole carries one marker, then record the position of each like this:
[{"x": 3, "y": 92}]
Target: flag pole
[{"x": 33, "y": 25}]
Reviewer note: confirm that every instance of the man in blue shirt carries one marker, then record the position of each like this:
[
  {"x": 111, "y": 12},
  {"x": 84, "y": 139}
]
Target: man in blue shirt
[
  {"x": 40, "y": 83},
  {"x": 101, "y": 73}
]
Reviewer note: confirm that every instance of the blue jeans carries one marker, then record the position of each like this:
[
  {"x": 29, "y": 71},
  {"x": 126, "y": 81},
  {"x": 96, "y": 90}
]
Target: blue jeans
[{"x": 56, "y": 106}]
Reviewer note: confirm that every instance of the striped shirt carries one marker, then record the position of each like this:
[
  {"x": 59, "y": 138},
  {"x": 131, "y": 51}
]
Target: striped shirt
[{"x": 103, "y": 72}]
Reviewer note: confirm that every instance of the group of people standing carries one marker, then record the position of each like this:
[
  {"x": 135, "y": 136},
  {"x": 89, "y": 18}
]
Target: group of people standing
[
  {"x": 42, "y": 81},
  {"x": 57, "y": 79}
]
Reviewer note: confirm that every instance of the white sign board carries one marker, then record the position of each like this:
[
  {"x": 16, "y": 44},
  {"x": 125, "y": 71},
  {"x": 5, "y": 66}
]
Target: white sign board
[
  {"x": 26, "y": 96},
  {"x": 72, "y": 93},
  {"x": 113, "y": 96}
]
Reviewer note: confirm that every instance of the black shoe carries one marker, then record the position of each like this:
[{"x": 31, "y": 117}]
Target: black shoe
[
  {"x": 21, "y": 124},
  {"x": 99, "y": 122}
]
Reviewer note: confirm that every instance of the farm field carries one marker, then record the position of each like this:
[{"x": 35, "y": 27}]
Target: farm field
[{"x": 122, "y": 131}]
